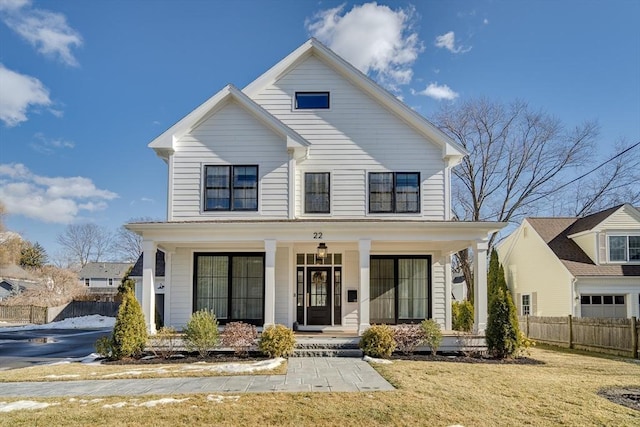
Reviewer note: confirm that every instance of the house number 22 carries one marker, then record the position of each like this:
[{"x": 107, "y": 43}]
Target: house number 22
[{"x": 317, "y": 234}]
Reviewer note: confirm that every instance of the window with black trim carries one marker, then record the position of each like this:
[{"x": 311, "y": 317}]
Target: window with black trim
[
  {"x": 230, "y": 285},
  {"x": 231, "y": 188},
  {"x": 394, "y": 192},
  {"x": 312, "y": 100},
  {"x": 317, "y": 194}
]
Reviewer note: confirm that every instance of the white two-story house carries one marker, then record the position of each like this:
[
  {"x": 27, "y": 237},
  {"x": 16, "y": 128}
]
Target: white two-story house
[{"x": 311, "y": 198}]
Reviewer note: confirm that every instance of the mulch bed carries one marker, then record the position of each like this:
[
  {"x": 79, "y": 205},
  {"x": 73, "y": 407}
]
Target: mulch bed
[
  {"x": 187, "y": 358},
  {"x": 468, "y": 359},
  {"x": 625, "y": 396}
]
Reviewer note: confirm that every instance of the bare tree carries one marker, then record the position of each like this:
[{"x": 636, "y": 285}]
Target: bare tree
[
  {"x": 127, "y": 244},
  {"x": 86, "y": 242},
  {"x": 518, "y": 160}
]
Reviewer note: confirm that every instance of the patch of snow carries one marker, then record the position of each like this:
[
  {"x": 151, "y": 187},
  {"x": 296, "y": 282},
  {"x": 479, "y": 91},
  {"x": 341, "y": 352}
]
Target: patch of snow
[
  {"x": 374, "y": 360},
  {"x": 263, "y": 365},
  {"x": 94, "y": 321},
  {"x": 23, "y": 404},
  {"x": 62, "y": 376},
  {"x": 115, "y": 405},
  {"x": 166, "y": 400},
  {"x": 221, "y": 399},
  {"x": 138, "y": 372}
]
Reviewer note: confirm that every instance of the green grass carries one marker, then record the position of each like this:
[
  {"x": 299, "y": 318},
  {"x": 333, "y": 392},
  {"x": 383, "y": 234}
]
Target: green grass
[{"x": 562, "y": 391}]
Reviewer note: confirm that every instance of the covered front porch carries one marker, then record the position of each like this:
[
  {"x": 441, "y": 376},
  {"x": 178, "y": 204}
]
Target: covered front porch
[{"x": 269, "y": 272}]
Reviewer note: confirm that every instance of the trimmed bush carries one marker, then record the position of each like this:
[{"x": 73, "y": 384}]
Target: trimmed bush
[
  {"x": 239, "y": 336},
  {"x": 164, "y": 342},
  {"x": 201, "y": 332},
  {"x": 408, "y": 337},
  {"x": 377, "y": 341},
  {"x": 462, "y": 316},
  {"x": 277, "y": 341},
  {"x": 432, "y": 334},
  {"x": 502, "y": 334},
  {"x": 129, "y": 336}
]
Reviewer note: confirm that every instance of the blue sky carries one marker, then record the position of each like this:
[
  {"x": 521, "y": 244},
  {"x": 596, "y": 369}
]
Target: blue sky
[{"x": 86, "y": 85}]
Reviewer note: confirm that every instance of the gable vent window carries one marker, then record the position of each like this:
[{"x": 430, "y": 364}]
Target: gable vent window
[
  {"x": 231, "y": 188},
  {"x": 312, "y": 100}
]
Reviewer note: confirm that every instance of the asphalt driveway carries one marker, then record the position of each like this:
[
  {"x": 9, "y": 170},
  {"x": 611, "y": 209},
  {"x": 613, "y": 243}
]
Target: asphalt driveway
[{"x": 19, "y": 349}]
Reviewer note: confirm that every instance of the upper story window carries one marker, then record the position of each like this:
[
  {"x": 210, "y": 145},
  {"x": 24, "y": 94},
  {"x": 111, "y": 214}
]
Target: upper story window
[
  {"x": 231, "y": 188},
  {"x": 312, "y": 100},
  {"x": 316, "y": 192},
  {"x": 394, "y": 192},
  {"x": 624, "y": 248}
]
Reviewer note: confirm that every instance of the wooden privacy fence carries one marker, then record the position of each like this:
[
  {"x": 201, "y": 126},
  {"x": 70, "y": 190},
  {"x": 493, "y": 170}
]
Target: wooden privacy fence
[
  {"x": 40, "y": 315},
  {"x": 23, "y": 314},
  {"x": 603, "y": 335}
]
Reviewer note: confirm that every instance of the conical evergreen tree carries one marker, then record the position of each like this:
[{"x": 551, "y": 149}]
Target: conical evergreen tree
[{"x": 129, "y": 333}]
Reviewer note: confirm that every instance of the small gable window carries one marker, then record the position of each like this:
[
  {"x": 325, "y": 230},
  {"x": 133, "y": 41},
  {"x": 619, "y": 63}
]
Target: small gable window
[
  {"x": 231, "y": 188},
  {"x": 312, "y": 100}
]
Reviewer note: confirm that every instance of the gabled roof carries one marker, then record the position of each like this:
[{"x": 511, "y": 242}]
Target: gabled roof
[
  {"x": 14, "y": 271},
  {"x": 451, "y": 149},
  {"x": 136, "y": 271},
  {"x": 555, "y": 233},
  {"x": 163, "y": 144},
  {"x": 104, "y": 270}
]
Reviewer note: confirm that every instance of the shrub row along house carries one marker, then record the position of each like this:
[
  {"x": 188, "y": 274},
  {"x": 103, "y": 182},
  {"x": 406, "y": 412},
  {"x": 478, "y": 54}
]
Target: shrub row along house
[
  {"x": 311, "y": 198},
  {"x": 584, "y": 267}
]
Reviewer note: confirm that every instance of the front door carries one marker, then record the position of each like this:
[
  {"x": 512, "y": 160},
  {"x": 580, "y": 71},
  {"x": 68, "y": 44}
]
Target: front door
[{"x": 319, "y": 296}]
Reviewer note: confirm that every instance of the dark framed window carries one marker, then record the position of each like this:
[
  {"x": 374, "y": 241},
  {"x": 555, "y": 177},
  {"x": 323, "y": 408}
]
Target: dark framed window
[
  {"x": 230, "y": 285},
  {"x": 317, "y": 194},
  {"x": 231, "y": 188},
  {"x": 400, "y": 289},
  {"x": 312, "y": 100},
  {"x": 394, "y": 192}
]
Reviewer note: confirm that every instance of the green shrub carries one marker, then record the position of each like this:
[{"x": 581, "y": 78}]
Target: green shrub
[
  {"x": 201, "y": 332},
  {"x": 104, "y": 347},
  {"x": 462, "y": 316},
  {"x": 129, "y": 335},
  {"x": 432, "y": 334},
  {"x": 503, "y": 333},
  {"x": 377, "y": 341},
  {"x": 239, "y": 336},
  {"x": 408, "y": 337},
  {"x": 164, "y": 342},
  {"x": 277, "y": 341}
]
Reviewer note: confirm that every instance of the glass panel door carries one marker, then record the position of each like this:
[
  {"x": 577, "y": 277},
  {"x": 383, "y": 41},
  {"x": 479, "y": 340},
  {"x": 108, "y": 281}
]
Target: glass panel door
[{"x": 319, "y": 296}]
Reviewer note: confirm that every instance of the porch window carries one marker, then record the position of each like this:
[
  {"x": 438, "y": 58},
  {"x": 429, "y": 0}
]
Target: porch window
[
  {"x": 316, "y": 192},
  {"x": 230, "y": 285},
  {"x": 231, "y": 188},
  {"x": 400, "y": 288},
  {"x": 394, "y": 192}
]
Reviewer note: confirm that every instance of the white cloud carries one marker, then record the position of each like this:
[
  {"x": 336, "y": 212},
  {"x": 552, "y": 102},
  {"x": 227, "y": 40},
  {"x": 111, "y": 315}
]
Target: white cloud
[
  {"x": 448, "y": 41},
  {"x": 45, "y": 145},
  {"x": 373, "y": 38},
  {"x": 485, "y": 21},
  {"x": 46, "y": 31},
  {"x": 52, "y": 200},
  {"x": 18, "y": 93},
  {"x": 438, "y": 92}
]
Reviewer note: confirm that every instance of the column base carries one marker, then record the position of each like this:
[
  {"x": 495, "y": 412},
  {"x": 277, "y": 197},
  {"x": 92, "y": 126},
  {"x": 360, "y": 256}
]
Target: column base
[{"x": 363, "y": 327}]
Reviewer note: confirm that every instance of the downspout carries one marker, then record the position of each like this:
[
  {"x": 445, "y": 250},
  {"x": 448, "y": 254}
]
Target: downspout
[{"x": 574, "y": 296}]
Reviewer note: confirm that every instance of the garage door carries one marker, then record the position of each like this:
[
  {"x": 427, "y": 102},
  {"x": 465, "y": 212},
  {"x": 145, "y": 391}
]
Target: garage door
[{"x": 603, "y": 306}]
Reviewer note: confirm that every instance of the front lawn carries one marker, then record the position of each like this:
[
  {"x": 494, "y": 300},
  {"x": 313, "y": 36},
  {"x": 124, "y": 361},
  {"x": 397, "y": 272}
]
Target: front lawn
[{"x": 562, "y": 391}]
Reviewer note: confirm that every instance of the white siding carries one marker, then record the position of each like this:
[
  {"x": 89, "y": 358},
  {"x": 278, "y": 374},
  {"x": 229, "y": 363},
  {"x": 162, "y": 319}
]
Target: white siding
[
  {"x": 282, "y": 286},
  {"x": 231, "y": 136},
  {"x": 181, "y": 289},
  {"x": 354, "y": 136},
  {"x": 620, "y": 220},
  {"x": 351, "y": 280},
  {"x": 438, "y": 307}
]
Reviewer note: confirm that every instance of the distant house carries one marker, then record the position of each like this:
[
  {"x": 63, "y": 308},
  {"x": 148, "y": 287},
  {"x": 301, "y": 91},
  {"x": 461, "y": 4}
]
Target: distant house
[
  {"x": 586, "y": 267},
  {"x": 103, "y": 278},
  {"x": 14, "y": 280}
]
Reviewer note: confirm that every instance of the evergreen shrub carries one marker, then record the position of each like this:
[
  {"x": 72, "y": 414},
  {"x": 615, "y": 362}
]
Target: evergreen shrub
[
  {"x": 201, "y": 332},
  {"x": 432, "y": 334},
  {"x": 462, "y": 316},
  {"x": 377, "y": 341},
  {"x": 277, "y": 341}
]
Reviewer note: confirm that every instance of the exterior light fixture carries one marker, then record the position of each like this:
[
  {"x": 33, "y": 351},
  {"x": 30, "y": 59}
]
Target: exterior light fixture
[{"x": 322, "y": 251}]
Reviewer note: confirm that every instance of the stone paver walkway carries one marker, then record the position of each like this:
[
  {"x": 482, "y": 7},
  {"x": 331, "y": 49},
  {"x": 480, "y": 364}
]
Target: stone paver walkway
[{"x": 339, "y": 374}]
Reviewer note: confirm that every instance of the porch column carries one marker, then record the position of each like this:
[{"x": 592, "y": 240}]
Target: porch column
[
  {"x": 148, "y": 286},
  {"x": 269, "y": 282},
  {"x": 480, "y": 286},
  {"x": 447, "y": 293},
  {"x": 364, "y": 247}
]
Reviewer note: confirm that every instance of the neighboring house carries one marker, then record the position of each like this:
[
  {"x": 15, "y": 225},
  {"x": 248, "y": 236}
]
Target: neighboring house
[
  {"x": 14, "y": 280},
  {"x": 586, "y": 267},
  {"x": 311, "y": 198},
  {"x": 103, "y": 278}
]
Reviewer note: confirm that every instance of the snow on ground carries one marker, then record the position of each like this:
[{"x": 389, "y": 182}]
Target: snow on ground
[
  {"x": 374, "y": 360},
  {"x": 221, "y": 399},
  {"x": 23, "y": 404},
  {"x": 94, "y": 321},
  {"x": 148, "y": 404}
]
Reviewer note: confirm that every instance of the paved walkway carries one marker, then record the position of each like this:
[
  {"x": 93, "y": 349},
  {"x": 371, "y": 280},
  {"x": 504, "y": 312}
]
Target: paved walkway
[{"x": 340, "y": 374}]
